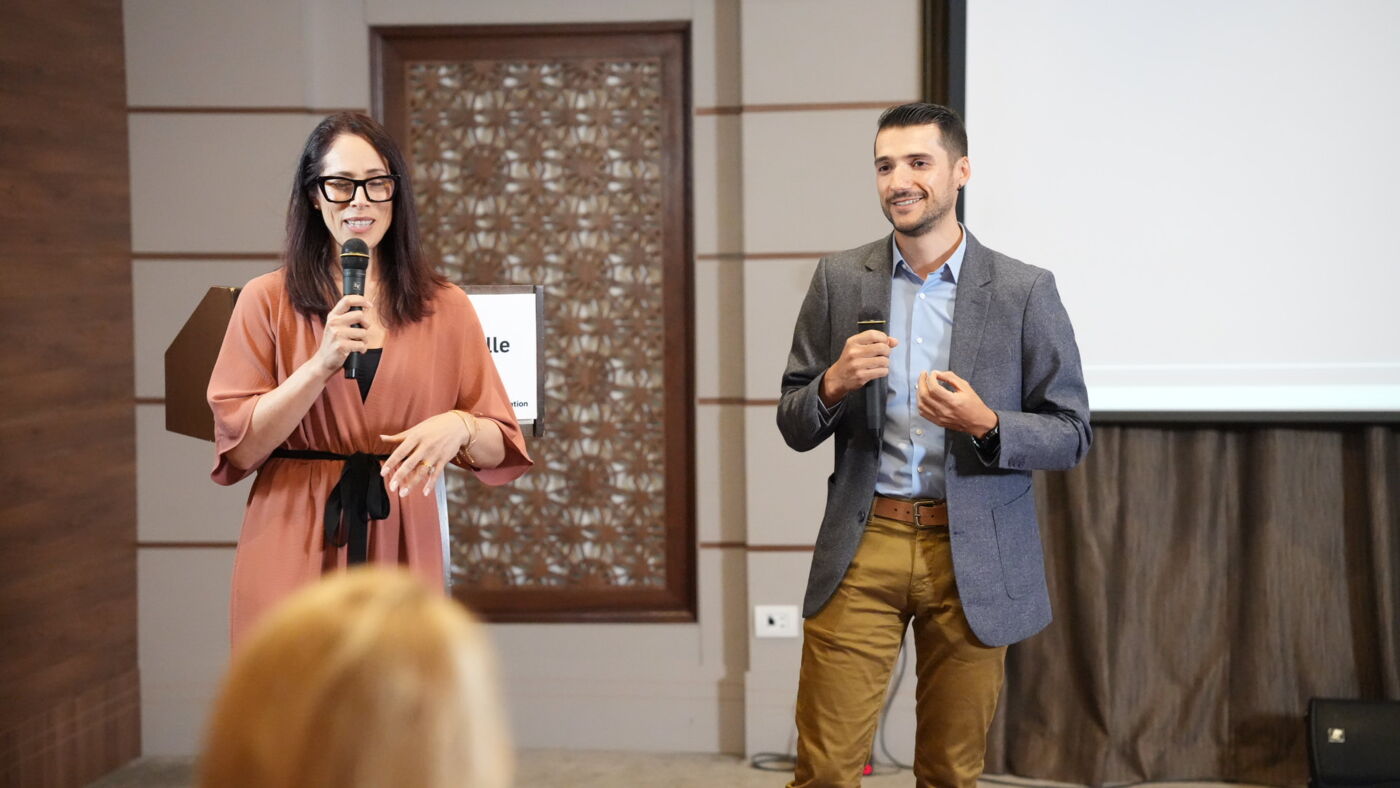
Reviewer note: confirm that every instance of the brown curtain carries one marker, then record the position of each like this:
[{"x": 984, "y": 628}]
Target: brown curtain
[{"x": 1207, "y": 582}]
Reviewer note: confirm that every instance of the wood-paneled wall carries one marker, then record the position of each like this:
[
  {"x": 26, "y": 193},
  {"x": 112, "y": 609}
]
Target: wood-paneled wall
[{"x": 69, "y": 699}]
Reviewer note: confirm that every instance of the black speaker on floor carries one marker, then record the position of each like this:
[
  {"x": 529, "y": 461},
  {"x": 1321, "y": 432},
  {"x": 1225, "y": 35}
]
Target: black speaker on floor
[{"x": 1354, "y": 743}]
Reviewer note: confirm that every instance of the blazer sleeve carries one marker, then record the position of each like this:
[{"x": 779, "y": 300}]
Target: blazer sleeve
[
  {"x": 802, "y": 418},
  {"x": 1051, "y": 431}
]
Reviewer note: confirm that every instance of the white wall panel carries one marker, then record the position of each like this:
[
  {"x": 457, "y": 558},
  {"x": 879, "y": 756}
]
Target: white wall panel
[
  {"x": 718, "y": 183},
  {"x": 213, "y": 183},
  {"x": 720, "y": 476},
  {"x": 183, "y": 642},
  {"x": 676, "y": 715},
  {"x": 175, "y": 499},
  {"x": 770, "y": 698},
  {"x": 183, "y": 53},
  {"x": 595, "y": 652},
  {"x": 336, "y": 54},
  {"x": 724, "y": 649},
  {"x": 809, "y": 181},
  {"x": 820, "y": 51},
  {"x": 716, "y": 53},
  {"x": 786, "y": 488},
  {"x": 774, "y": 290},
  {"x": 719, "y": 328}
]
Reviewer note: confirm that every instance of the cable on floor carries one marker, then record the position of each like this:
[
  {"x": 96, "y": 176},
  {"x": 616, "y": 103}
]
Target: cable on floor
[{"x": 773, "y": 762}]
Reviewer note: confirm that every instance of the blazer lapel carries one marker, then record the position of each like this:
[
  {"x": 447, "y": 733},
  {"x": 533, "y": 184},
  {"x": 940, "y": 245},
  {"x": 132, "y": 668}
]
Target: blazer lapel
[
  {"x": 970, "y": 309},
  {"x": 875, "y": 282},
  {"x": 875, "y": 289}
]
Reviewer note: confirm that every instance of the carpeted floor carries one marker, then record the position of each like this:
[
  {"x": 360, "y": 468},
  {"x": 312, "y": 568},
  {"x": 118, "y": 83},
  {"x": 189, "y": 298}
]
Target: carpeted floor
[{"x": 587, "y": 769}]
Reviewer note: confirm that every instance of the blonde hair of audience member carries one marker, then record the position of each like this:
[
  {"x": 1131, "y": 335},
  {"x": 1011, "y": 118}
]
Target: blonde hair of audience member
[{"x": 365, "y": 679}]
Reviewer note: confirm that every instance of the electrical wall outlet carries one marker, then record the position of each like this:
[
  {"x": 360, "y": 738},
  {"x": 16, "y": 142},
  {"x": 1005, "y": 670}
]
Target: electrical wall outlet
[{"x": 775, "y": 621}]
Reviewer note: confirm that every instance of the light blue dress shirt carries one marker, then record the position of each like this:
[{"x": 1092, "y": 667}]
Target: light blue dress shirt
[{"x": 921, "y": 318}]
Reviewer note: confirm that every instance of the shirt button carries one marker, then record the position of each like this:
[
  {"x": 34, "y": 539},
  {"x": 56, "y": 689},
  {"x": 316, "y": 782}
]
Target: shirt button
[
  {"x": 921, "y": 469},
  {"x": 918, "y": 432},
  {"x": 923, "y": 297},
  {"x": 920, "y": 340}
]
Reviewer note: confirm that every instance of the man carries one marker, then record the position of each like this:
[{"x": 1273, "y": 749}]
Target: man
[{"x": 930, "y": 517}]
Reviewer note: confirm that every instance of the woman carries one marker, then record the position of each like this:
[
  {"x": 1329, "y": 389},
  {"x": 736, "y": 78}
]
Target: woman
[
  {"x": 367, "y": 679},
  {"x": 333, "y": 454}
]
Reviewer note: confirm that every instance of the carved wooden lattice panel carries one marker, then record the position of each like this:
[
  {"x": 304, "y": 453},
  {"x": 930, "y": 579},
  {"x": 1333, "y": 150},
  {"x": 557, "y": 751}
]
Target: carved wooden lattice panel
[{"x": 540, "y": 172}]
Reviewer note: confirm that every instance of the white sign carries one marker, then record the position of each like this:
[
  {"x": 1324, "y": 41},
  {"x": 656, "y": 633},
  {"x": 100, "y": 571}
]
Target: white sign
[{"x": 509, "y": 320}]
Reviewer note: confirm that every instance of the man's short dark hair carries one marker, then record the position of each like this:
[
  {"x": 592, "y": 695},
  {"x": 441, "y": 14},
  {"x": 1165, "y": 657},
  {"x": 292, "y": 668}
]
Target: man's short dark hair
[{"x": 924, "y": 114}]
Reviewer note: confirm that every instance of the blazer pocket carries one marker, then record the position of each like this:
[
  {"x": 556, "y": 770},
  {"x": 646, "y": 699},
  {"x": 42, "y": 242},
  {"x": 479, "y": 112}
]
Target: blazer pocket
[{"x": 1018, "y": 545}]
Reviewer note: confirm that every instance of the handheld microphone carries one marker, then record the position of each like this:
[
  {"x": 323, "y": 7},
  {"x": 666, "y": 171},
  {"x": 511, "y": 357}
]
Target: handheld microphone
[
  {"x": 878, "y": 389},
  {"x": 354, "y": 259}
]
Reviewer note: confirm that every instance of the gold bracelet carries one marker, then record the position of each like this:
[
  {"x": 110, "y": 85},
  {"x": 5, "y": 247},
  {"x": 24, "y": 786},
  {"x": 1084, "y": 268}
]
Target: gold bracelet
[{"x": 464, "y": 454}]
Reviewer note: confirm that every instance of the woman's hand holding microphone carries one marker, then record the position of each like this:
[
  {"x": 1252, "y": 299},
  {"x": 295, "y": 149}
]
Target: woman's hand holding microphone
[{"x": 345, "y": 333}]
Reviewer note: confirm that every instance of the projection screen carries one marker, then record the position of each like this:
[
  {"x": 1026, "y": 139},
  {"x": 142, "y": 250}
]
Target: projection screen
[{"x": 1214, "y": 186}]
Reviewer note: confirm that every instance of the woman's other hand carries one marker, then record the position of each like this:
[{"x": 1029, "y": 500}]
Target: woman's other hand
[{"x": 423, "y": 452}]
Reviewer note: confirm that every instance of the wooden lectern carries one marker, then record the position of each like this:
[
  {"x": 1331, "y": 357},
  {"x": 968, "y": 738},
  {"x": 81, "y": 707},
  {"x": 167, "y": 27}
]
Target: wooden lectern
[{"x": 189, "y": 361}]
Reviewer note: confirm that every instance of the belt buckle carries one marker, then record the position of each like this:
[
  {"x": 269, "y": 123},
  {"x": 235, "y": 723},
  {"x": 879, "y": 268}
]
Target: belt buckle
[{"x": 929, "y": 504}]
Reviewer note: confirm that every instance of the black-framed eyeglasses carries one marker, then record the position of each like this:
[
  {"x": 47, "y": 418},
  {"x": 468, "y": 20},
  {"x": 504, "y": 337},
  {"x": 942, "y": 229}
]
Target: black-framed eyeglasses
[{"x": 336, "y": 188}]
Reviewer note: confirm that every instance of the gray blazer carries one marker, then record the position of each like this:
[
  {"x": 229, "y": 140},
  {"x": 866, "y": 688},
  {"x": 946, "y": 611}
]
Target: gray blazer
[{"x": 1012, "y": 340}]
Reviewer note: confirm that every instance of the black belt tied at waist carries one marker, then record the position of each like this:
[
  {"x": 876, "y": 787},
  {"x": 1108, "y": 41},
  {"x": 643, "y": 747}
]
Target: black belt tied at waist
[{"x": 357, "y": 498}]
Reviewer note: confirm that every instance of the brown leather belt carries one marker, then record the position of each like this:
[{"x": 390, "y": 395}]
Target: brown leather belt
[{"x": 928, "y": 513}]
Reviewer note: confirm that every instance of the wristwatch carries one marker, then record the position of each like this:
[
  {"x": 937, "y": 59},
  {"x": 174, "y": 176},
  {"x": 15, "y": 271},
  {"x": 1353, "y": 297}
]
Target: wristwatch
[{"x": 989, "y": 440}]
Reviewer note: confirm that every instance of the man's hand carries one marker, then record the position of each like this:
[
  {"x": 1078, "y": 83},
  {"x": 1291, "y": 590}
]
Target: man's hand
[
  {"x": 956, "y": 407},
  {"x": 865, "y": 357}
]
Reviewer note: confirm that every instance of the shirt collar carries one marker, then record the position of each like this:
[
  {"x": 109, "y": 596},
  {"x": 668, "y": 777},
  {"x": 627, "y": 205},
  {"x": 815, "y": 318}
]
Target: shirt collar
[{"x": 950, "y": 269}]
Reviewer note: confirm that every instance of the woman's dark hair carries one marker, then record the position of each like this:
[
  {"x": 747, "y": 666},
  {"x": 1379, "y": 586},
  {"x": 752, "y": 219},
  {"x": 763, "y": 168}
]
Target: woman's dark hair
[
  {"x": 924, "y": 114},
  {"x": 406, "y": 279}
]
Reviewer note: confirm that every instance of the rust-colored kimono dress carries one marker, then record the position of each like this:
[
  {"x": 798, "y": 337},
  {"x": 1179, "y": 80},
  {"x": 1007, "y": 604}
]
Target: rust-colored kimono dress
[{"x": 435, "y": 365}]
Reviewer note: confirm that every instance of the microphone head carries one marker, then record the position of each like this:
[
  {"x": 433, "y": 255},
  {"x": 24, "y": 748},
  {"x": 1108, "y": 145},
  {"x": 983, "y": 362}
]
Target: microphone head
[{"x": 354, "y": 253}]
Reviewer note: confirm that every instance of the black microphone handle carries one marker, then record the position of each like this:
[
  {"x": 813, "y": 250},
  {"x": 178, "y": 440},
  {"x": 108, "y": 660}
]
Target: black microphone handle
[
  {"x": 353, "y": 281},
  {"x": 878, "y": 389},
  {"x": 352, "y": 363},
  {"x": 875, "y": 393}
]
